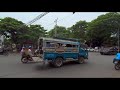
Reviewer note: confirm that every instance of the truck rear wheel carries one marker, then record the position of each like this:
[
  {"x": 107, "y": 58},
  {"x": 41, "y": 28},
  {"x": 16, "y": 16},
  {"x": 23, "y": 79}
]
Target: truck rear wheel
[{"x": 58, "y": 62}]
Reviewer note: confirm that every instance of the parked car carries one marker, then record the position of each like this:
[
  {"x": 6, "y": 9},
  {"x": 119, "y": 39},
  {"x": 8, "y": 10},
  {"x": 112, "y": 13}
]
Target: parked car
[
  {"x": 109, "y": 51},
  {"x": 96, "y": 49},
  {"x": 91, "y": 49}
]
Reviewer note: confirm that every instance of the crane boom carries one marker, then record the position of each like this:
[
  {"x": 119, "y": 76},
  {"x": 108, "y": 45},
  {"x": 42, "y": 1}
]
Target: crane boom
[{"x": 37, "y": 18}]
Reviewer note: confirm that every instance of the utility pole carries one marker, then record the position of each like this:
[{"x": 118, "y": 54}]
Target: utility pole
[
  {"x": 118, "y": 40},
  {"x": 55, "y": 26}
]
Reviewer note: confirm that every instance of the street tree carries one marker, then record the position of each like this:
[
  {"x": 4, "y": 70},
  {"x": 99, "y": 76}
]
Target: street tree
[
  {"x": 12, "y": 28},
  {"x": 101, "y": 29},
  {"x": 60, "y": 32},
  {"x": 79, "y": 30}
]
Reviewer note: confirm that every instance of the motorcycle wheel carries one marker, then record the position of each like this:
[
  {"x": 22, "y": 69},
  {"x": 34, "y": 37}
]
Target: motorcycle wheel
[
  {"x": 24, "y": 60},
  {"x": 117, "y": 66}
]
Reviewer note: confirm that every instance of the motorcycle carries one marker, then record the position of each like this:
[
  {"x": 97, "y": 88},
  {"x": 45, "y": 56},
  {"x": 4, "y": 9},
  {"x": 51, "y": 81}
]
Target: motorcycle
[
  {"x": 26, "y": 58},
  {"x": 116, "y": 61},
  {"x": 4, "y": 52}
]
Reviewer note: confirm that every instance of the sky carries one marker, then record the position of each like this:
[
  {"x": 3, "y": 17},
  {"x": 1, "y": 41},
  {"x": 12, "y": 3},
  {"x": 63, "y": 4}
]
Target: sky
[{"x": 66, "y": 19}]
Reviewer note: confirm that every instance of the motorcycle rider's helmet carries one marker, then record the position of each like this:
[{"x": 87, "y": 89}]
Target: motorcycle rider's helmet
[{"x": 30, "y": 47}]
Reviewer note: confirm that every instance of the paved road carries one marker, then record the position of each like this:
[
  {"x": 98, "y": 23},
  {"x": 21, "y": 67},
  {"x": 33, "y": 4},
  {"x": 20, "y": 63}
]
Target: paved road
[{"x": 97, "y": 66}]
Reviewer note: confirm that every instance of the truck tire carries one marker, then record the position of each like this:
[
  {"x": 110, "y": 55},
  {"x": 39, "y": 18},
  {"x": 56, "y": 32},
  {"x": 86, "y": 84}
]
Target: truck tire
[
  {"x": 80, "y": 60},
  {"x": 58, "y": 62}
]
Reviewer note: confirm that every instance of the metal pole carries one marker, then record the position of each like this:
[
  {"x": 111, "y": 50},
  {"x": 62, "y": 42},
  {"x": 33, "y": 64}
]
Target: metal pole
[
  {"x": 118, "y": 41},
  {"x": 38, "y": 43},
  {"x": 55, "y": 26}
]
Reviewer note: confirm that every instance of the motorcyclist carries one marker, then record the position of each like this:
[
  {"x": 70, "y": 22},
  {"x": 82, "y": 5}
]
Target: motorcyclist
[
  {"x": 23, "y": 54},
  {"x": 30, "y": 52},
  {"x": 26, "y": 52},
  {"x": 117, "y": 57}
]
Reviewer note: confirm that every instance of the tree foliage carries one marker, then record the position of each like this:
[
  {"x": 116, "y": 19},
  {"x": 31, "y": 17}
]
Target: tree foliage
[
  {"x": 12, "y": 28},
  {"x": 78, "y": 30},
  {"x": 18, "y": 32},
  {"x": 60, "y": 32},
  {"x": 101, "y": 29}
]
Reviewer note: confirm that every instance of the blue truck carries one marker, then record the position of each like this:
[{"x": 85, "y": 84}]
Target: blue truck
[{"x": 58, "y": 51}]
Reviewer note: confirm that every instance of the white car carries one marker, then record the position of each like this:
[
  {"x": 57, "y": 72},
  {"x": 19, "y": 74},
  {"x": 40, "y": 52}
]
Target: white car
[
  {"x": 96, "y": 49},
  {"x": 91, "y": 49}
]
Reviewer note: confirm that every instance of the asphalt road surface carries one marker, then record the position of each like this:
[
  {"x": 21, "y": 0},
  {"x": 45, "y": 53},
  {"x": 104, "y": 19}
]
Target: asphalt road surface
[{"x": 97, "y": 66}]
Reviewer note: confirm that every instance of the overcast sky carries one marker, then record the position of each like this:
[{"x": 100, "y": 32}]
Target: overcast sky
[{"x": 66, "y": 19}]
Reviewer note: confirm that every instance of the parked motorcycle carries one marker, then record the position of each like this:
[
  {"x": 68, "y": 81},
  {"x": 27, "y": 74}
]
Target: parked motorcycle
[
  {"x": 116, "y": 61},
  {"x": 4, "y": 52}
]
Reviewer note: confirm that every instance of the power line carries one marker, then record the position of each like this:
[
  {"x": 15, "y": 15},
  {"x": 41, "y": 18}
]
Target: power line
[
  {"x": 65, "y": 17},
  {"x": 60, "y": 19}
]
